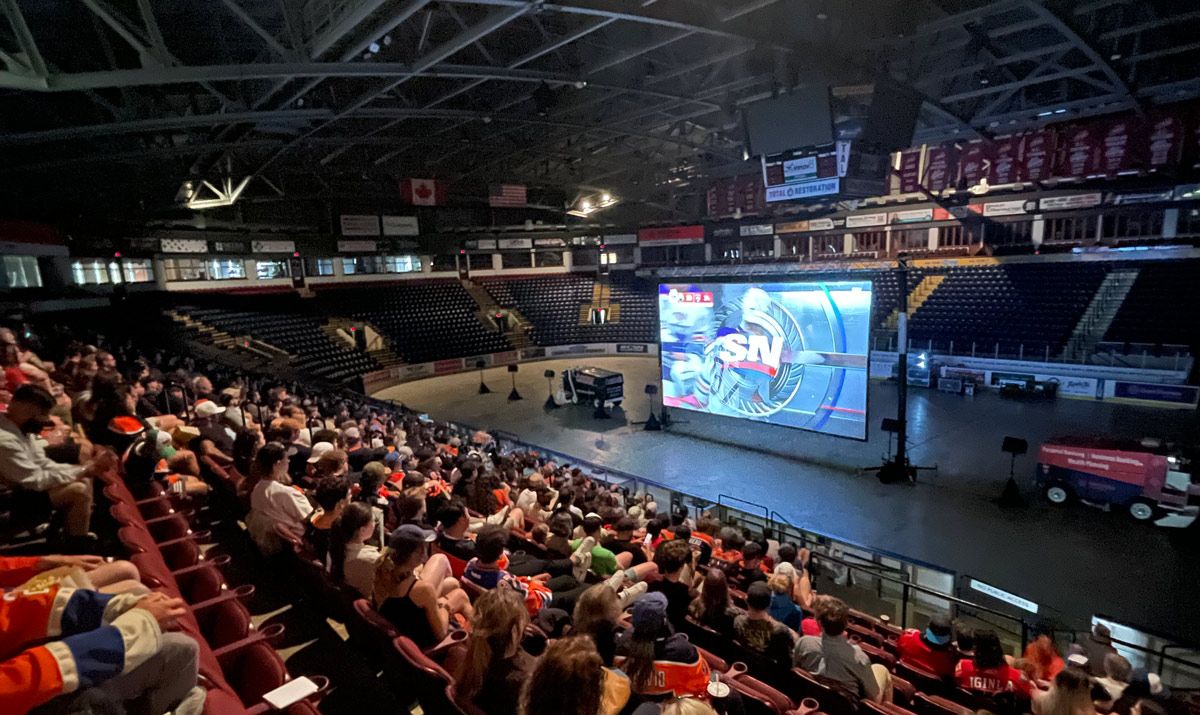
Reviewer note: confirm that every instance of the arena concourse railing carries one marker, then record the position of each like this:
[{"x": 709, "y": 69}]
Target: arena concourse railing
[
  {"x": 1138, "y": 355},
  {"x": 897, "y": 589}
]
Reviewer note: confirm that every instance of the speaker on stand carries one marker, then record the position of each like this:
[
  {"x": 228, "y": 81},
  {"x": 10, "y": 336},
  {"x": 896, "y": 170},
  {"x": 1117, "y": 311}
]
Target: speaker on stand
[
  {"x": 550, "y": 403},
  {"x": 1011, "y": 496},
  {"x": 514, "y": 395},
  {"x": 483, "y": 388}
]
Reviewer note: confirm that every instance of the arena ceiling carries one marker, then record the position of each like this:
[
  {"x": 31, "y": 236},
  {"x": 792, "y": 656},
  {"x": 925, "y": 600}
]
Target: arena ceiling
[{"x": 107, "y": 105}]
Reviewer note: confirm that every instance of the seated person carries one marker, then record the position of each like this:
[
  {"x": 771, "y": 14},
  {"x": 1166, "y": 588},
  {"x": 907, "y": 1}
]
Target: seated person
[
  {"x": 332, "y": 496},
  {"x": 832, "y": 655},
  {"x": 931, "y": 649},
  {"x": 713, "y": 608},
  {"x": 492, "y": 567},
  {"x": 453, "y": 535},
  {"x": 988, "y": 672},
  {"x": 183, "y": 473},
  {"x": 761, "y": 633},
  {"x": 351, "y": 560},
  {"x": 1117, "y": 671},
  {"x": 604, "y": 562},
  {"x": 495, "y": 666},
  {"x": 419, "y": 598},
  {"x": 752, "y": 568},
  {"x": 670, "y": 558},
  {"x": 660, "y": 663},
  {"x": 621, "y": 541},
  {"x": 274, "y": 500},
  {"x": 33, "y": 573},
  {"x": 74, "y": 650},
  {"x": 24, "y": 465},
  {"x": 783, "y": 608}
]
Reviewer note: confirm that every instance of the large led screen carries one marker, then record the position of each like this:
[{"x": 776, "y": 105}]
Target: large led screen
[{"x": 792, "y": 354}]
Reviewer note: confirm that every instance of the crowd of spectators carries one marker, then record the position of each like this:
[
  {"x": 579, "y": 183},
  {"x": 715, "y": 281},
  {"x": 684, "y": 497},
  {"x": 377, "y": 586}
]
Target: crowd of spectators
[{"x": 447, "y": 535}]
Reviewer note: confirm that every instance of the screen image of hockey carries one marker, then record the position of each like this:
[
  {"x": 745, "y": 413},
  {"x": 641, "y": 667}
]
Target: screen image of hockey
[{"x": 792, "y": 354}]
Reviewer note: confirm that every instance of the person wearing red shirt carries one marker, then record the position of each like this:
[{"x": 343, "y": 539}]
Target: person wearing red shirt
[
  {"x": 988, "y": 672},
  {"x": 932, "y": 649}
]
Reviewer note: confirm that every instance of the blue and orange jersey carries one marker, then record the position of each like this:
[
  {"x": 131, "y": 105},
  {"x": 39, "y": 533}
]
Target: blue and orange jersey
[
  {"x": 58, "y": 640},
  {"x": 679, "y": 671}
]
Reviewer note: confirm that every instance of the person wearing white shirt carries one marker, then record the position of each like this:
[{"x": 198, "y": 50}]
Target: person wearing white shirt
[
  {"x": 351, "y": 560},
  {"x": 274, "y": 500},
  {"x": 24, "y": 464}
]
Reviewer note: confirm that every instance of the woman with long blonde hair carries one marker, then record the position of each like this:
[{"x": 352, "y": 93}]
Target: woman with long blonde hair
[
  {"x": 495, "y": 666},
  {"x": 1071, "y": 694}
]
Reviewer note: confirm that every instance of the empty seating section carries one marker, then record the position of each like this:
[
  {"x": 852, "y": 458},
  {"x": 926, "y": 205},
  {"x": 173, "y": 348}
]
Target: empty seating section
[
  {"x": 1161, "y": 307},
  {"x": 1014, "y": 309},
  {"x": 552, "y": 305},
  {"x": 423, "y": 320},
  {"x": 291, "y": 329}
]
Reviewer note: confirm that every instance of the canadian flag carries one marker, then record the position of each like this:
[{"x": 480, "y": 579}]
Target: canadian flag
[{"x": 423, "y": 192}]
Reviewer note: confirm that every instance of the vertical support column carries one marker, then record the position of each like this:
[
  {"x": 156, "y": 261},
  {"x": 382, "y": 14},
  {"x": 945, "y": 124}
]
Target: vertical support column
[
  {"x": 932, "y": 243},
  {"x": 1170, "y": 224},
  {"x": 1038, "y": 232}
]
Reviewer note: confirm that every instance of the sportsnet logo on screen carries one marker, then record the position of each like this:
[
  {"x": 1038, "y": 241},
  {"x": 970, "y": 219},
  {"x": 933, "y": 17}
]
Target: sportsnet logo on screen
[{"x": 792, "y": 354}]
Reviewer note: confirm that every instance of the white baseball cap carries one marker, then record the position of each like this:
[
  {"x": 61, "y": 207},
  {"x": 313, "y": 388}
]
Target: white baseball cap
[
  {"x": 320, "y": 449},
  {"x": 208, "y": 408}
]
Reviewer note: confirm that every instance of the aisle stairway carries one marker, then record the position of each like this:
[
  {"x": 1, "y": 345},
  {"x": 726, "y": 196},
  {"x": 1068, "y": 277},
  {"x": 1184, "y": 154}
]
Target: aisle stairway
[
  {"x": 519, "y": 327},
  {"x": 916, "y": 298},
  {"x": 1095, "y": 321}
]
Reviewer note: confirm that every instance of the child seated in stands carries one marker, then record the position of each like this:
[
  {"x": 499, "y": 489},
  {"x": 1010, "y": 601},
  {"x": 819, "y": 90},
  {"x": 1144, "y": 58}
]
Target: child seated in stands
[{"x": 492, "y": 567}]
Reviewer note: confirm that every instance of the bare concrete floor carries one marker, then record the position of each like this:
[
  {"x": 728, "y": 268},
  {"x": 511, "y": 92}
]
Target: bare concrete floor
[{"x": 1076, "y": 561}]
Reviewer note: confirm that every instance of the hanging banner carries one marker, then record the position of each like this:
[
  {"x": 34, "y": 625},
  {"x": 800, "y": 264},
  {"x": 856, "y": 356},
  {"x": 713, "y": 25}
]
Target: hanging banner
[
  {"x": 401, "y": 226},
  {"x": 1037, "y": 155},
  {"x": 910, "y": 171},
  {"x": 1081, "y": 148},
  {"x": 360, "y": 225},
  {"x": 975, "y": 162},
  {"x": 1166, "y": 141},
  {"x": 941, "y": 167},
  {"x": 513, "y": 244},
  {"x": 1006, "y": 159}
]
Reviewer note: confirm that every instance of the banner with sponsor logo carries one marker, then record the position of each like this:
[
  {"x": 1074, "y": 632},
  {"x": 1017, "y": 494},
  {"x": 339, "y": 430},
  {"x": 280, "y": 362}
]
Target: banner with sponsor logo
[
  {"x": 912, "y": 216},
  {"x": 273, "y": 246},
  {"x": 637, "y": 348},
  {"x": 441, "y": 367},
  {"x": 866, "y": 220},
  {"x": 1008, "y": 208},
  {"x": 1171, "y": 395},
  {"x": 671, "y": 235},
  {"x": 805, "y": 172},
  {"x": 1141, "y": 197},
  {"x": 401, "y": 226},
  {"x": 356, "y": 246},
  {"x": 184, "y": 245},
  {"x": 759, "y": 229},
  {"x": 505, "y": 358},
  {"x": 1070, "y": 202},
  {"x": 360, "y": 225}
]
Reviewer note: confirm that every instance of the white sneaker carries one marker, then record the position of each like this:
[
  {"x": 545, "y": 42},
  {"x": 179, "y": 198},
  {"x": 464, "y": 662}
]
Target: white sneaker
[
  {"x": 192, "y": 703},
  {"x": 581, "y": 559},
  {"x": 631, "y": 594}
]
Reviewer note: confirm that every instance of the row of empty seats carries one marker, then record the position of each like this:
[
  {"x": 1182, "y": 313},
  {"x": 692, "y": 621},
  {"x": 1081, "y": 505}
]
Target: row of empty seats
[
  {"x": 552, "y": 305},
  {"x": 423, "y": 320},
  {"x": 1160, "y": 306}
]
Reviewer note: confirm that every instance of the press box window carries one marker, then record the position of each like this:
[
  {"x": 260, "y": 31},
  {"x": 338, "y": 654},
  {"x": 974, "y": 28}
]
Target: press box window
[
  {"x": 318, "y": 266},
  {"x": 22, "y": 272},
  {"x": 268, "y": 270}
]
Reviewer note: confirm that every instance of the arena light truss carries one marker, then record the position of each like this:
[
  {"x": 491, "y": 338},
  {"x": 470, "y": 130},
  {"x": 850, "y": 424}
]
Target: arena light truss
[
  {"x": 227, "y": 194},
  {"x": 589, "y": 205}
]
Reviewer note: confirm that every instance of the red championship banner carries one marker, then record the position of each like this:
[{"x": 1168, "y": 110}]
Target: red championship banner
[
  {"x": 975, "y": 162},
  {"x": 1165, "y": 134},
  {"x": 1122, "y": 145},
  {"x": 941, "y": 167},
  {"x": 1080, "y": 151},
  {"x": 910, "y": 171},
  {"x": 1037, "y": 155},
  {"x": 1006, "y": 159}
]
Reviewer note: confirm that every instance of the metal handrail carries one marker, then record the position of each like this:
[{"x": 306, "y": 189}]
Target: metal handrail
[{"x": 721, "y": 502}]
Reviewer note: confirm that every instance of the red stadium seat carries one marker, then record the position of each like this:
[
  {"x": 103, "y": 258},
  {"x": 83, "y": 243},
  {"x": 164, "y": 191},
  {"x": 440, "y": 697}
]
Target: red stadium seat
[
  {"x": 937, "y": 705},
  {"x": 434, "y": 687}
]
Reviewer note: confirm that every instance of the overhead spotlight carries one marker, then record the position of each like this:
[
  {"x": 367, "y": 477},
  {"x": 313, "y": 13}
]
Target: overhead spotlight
[
  {"x": 580, "y": 84},
  {"x": 387, "y": 40},
  {"x": 373, "y": 48},
  {"x": 300, "y": 102},
  {"x": 984, "y": 81},
  {"x": 366, "y": 55},
  {"x": 822, "y": 16},
  {"x": 1115, "y": 56},
  {"x": 486, "y": 120},
  {"x": 585, "y": 205},
  {"x": 605, "y": 198},
  {"x": 745, "y": 155}
]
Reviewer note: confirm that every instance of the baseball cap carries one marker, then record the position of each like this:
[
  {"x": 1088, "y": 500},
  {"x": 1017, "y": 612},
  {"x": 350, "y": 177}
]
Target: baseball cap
[
  {"x": 785, "y": 569},
  {"x": 351, "y": 433},
  {"x": 940, "y": 629},
  {"x": 320, "y": 449},
  {"x": 407, "y": 538},
  {"x": 391, "y": 458},
  {"x": 208, "y": 408},
  {"x": 650, "y": 615}
]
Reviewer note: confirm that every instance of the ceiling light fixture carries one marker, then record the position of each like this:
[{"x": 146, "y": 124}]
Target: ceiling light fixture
[
  {"x": 226, "y": 195},
  {"x": 590, "y": 205}
]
